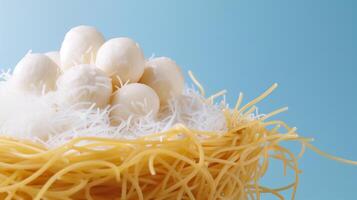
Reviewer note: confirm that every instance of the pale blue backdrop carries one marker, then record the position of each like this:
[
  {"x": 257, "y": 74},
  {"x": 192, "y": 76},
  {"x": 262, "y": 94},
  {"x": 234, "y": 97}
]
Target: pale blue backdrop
[{"x": 308, "y": 47}]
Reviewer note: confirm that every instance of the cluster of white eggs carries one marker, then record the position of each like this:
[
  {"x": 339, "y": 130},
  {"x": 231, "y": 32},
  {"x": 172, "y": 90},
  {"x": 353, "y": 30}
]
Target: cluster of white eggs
[{"x": 88, "y": 69}]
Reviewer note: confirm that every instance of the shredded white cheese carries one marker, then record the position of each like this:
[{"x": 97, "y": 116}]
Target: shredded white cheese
[{"x": 41, "y": 118}]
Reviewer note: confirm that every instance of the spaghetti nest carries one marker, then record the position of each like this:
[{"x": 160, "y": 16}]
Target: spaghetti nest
[{"x": 176, "y": 164}]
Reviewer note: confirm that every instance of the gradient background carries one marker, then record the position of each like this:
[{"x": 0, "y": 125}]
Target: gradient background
[{"x": 308, "y": 47}]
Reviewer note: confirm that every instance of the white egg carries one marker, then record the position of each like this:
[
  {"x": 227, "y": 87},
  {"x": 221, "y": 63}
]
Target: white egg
[
  {"x": 80, "y": 46},
  {"x": 123, "y": 58},
  {"x": 84, "y": 85},
  {"x": 134, "y": 100},
  {"x": 164, "y": 76},
  {"x": 35, "y": 73},
  {"x": 55, "y": 57}
]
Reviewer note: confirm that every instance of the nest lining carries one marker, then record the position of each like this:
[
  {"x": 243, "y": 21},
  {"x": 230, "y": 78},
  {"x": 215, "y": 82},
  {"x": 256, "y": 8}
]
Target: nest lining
[{"x": 40, "y": 118}]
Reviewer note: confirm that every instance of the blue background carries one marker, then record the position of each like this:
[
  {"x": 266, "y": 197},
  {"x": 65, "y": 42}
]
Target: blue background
[{"x": 308, "y": 47}]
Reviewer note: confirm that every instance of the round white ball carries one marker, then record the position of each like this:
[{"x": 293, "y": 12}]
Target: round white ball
[
  {"x": 164, "y": 76},
  {"x": 84, "y": 84},
  {"x": 123, "y": 58},
  {"x": 134, "y": 100},
  {"x": 55, "y": 57},
  {"x": 35, "y": 72},
  {"x": 80, "y": 46}
]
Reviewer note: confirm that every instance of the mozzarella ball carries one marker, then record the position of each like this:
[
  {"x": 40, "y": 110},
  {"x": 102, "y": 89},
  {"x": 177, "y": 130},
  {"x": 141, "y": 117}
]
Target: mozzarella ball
[
  {"x": 35, "y": 73},
  {"x": 55, "y": 57},
  {"x": 134, "y": 100},
  {"x": 84, "y": 85},
  {"x": 164, "y": 76},
  {"x": 123, "y": 58},
  {"x": 80, "y": 46}
]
